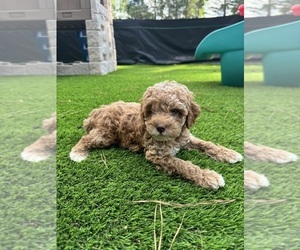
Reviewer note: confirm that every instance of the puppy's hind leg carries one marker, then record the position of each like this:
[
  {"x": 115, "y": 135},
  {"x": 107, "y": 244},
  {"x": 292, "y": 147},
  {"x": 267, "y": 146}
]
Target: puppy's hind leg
[
  {"x": 216, "y": 152},
  {"x": 41, "y": 149},
  {"x": 94, "y": 139}
]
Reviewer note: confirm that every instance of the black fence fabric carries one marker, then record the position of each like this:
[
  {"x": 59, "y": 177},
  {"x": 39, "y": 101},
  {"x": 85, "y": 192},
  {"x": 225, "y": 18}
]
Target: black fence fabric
[
  {"x": 164, "y": 41},
  {"x": 71, "y": 41},
  {"x": 255, "y": 23},
  {"x": 24, "y": 41}
]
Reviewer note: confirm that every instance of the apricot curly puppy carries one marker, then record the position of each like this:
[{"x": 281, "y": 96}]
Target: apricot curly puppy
[{"x": 159, "y": 126}]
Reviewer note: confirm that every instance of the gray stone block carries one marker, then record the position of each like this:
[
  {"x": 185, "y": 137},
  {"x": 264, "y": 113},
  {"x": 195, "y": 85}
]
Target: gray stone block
[
  {"x": 18, "y": 69},
  {"x": 94, "y": 38},
  {"x": 5, "y": 69},
  {"x": 68, "y": 69},
  {"x": 81, "y": 68}
]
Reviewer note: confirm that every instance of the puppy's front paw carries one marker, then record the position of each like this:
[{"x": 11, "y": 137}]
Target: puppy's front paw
[
  {"x": 210, "y": 179},
  {"x": 267, "y": 154},
  {"x": 78, "y": 156},
  {"x": 227, "y": 155},
  {"x": 254, "y": 181},
  {"x": 280, "y": 157},
  {"x": 234, "y": 157}
]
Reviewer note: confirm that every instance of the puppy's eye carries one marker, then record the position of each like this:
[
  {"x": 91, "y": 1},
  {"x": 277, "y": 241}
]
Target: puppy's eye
[{"x": 175, "y": 112}]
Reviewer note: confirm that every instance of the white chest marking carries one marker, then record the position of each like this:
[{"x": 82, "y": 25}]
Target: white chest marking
[{"x": 175, "y": 151}]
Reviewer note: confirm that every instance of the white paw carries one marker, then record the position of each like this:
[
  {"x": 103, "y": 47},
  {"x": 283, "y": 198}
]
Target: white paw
[
  {"x": 254, "y": 181},
  {"x": 211, "y": 180},
  {"x": 218, "y": 183},
  {"x": 285, "y": 158},
  {"x": 237, "y": 158},
  {"x": 77, "y": 157},
  {"x": 33, "y": 156},
  {"x": 221, "y": 182}
]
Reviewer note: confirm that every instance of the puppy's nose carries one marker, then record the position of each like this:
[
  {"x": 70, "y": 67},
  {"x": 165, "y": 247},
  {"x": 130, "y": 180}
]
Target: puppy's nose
[{"x": 160, "y": 129}]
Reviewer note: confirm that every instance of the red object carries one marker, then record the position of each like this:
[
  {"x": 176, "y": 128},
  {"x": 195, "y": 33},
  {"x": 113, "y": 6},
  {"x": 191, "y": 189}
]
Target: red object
[
  {"x": 296, "y": 10},
  {"x": 241, "y": 9}
]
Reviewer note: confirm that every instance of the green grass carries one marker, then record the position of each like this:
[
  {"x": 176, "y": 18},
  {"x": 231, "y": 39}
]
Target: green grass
[
  {"x": 27, "y": 206},
  {"x": 95, "y": 201},
  {"x": 272, "y": 119}
]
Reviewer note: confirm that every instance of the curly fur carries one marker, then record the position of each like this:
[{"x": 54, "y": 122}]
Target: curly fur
[{"x": 158, "y": 126}]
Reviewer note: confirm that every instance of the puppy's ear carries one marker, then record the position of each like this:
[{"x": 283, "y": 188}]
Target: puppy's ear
[
  {"x": 141, "y": 120},
  {"x": 194, "y": 111},
  {"x": 142, "y": 109},
  {"x": 145, "y": 103}
]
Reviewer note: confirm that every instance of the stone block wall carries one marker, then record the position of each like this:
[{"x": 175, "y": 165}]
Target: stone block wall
[{"x": 100, "y": 44}]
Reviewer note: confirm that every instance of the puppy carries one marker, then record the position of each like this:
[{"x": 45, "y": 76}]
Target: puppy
[{"x": 158, "y": 126}]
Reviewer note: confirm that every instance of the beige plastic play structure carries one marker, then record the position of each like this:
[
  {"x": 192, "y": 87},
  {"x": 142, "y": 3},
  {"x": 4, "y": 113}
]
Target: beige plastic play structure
[{"x": 14, "y": 13}]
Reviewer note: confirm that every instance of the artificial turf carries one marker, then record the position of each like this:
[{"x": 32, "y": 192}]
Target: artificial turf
[
  {"x": 272, "y": 119},
  {"x": 96, "y": 206},
  {"x": 28, "y": 190}
]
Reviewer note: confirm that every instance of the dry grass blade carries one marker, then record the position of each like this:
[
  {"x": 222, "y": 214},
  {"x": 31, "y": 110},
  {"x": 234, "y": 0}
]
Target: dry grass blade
[
  {"x": 103, "y": 159},
  {"x": 264, "y": 201},
  {"x": 154, "y": 230},
  {"x": 210, "y": 202},
  {"x": 177, "y": 232},
  {"x": 161, "y": 227}
]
